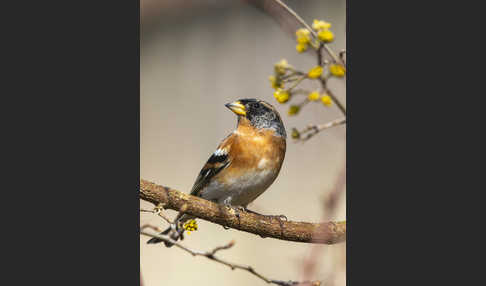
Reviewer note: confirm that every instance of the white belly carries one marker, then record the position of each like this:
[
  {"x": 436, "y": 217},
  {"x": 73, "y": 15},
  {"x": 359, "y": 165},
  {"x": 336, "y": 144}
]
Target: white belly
[{"x": 242, "y": 190}]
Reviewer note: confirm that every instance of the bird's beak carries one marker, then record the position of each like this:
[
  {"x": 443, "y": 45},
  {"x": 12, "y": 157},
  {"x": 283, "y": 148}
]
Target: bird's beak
[{"x": 237, "y": 108}]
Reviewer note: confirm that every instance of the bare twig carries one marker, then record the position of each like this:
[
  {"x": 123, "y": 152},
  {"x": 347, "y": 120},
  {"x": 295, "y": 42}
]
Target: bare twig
[
  {"x": 264, "y": 226},
  {"x": 300, "y": 91},
  {"x": 334, "y": 98},
  {"x": 211, "y": 256},
  {"x": 312, "y": 130},
  {"x": 297, "y": 81},
  {"x": 342, "y": 55},
  {"x": 319, "y": 55},
  {"x": 158, "y": 211},
  {"x": 149, "y": 226}
]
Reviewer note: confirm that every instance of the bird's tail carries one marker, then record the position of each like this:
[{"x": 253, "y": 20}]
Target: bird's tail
[{"x": 176, "y": 234}]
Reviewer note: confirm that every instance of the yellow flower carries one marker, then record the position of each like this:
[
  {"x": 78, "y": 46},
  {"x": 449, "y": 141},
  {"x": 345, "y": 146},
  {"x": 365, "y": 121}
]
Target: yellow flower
[
  {"x": 301, "y": 48},
  {"x": 294, "y": 109},
  {"x": 276, "y": 82},
  {"x": 295, "y": 134},
  {"x": 337, "y": 70},
  {"x": 282, "y": 96},
  {"x": 325, "y": 35},
  {"x": 320, "y": 25},
  {"x": 190, "y": 225},
  {"x": 303, "y": 36},
  {"x": 281, "y": 67},
  {"x": 313, "y": 96},
  {"x": 326, "y": 100},
  {"x": 315, "y": 72}
]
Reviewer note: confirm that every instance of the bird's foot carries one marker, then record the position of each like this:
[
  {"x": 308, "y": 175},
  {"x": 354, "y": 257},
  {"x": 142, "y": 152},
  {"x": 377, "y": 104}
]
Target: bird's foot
[
  {"x": 237, "y": 210},
  {"x": 159, "y": 208},
  {"x": 279, "y": 217}
]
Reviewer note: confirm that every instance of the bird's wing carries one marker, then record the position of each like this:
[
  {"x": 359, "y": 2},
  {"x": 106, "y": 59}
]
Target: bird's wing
[{"x": 219, "y": 160}]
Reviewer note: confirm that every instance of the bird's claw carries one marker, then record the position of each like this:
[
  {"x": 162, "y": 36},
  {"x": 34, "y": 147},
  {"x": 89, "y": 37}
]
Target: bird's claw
[
  {"x": 159, "y": 208},
  {"x": 237, "y": 210},
  {"x": 282, "y": 217}
]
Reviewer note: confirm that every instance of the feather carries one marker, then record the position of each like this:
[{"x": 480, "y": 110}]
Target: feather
[{"x": 218, "y": 161}]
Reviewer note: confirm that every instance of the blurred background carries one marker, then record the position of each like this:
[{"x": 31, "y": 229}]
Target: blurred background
[{"x": 195, "y": 57}]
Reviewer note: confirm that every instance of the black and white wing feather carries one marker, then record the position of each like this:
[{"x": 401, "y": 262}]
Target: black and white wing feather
[{"x": 215, "y": 164}]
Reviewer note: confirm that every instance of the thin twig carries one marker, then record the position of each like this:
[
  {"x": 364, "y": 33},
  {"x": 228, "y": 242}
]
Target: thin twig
[
  {"x": 314, "y": 129},
  {"x": 293, "y": 73},
  {"x": 342, "y": 54},
  {"x": 333, "y": 97},
  {"x": 150, "y": 226},
  {"x": 297, "y": 81},
  {"x": 319, "y": 55},
  {"x": 300, "y": 91},
  {"x": 211, "y": 256},
  {"x": 158, "y": 212}
]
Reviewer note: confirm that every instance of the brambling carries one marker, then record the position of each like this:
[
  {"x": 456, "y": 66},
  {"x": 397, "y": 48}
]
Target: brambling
[{"x": 245, "y": 163}]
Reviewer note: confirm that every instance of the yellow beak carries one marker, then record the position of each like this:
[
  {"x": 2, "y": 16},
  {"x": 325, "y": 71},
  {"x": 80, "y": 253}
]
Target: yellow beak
[{"x": 237, "y": 108}]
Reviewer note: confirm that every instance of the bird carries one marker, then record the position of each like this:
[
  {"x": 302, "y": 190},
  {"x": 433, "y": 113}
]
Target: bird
[{"x": 244, "y": 164}]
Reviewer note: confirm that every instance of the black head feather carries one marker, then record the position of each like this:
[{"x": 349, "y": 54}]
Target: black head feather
[{"x": 262, "y": 114}]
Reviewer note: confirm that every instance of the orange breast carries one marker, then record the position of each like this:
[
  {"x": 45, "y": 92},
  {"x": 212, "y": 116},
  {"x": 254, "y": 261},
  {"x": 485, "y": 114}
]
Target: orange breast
[{"x": 254, "y": 150}]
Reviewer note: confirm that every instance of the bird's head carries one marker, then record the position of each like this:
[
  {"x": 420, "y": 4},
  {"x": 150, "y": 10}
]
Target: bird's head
[{"x": 260, "y": 114}]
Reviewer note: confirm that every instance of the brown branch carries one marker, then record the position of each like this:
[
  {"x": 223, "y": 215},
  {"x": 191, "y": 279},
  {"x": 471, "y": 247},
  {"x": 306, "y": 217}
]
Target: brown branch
[
  {"x": 211, "y": 256},
  {"x": 325, "y": 233}
]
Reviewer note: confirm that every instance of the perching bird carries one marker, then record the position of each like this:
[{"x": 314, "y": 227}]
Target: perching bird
[{"x": 245, "y": 163}]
